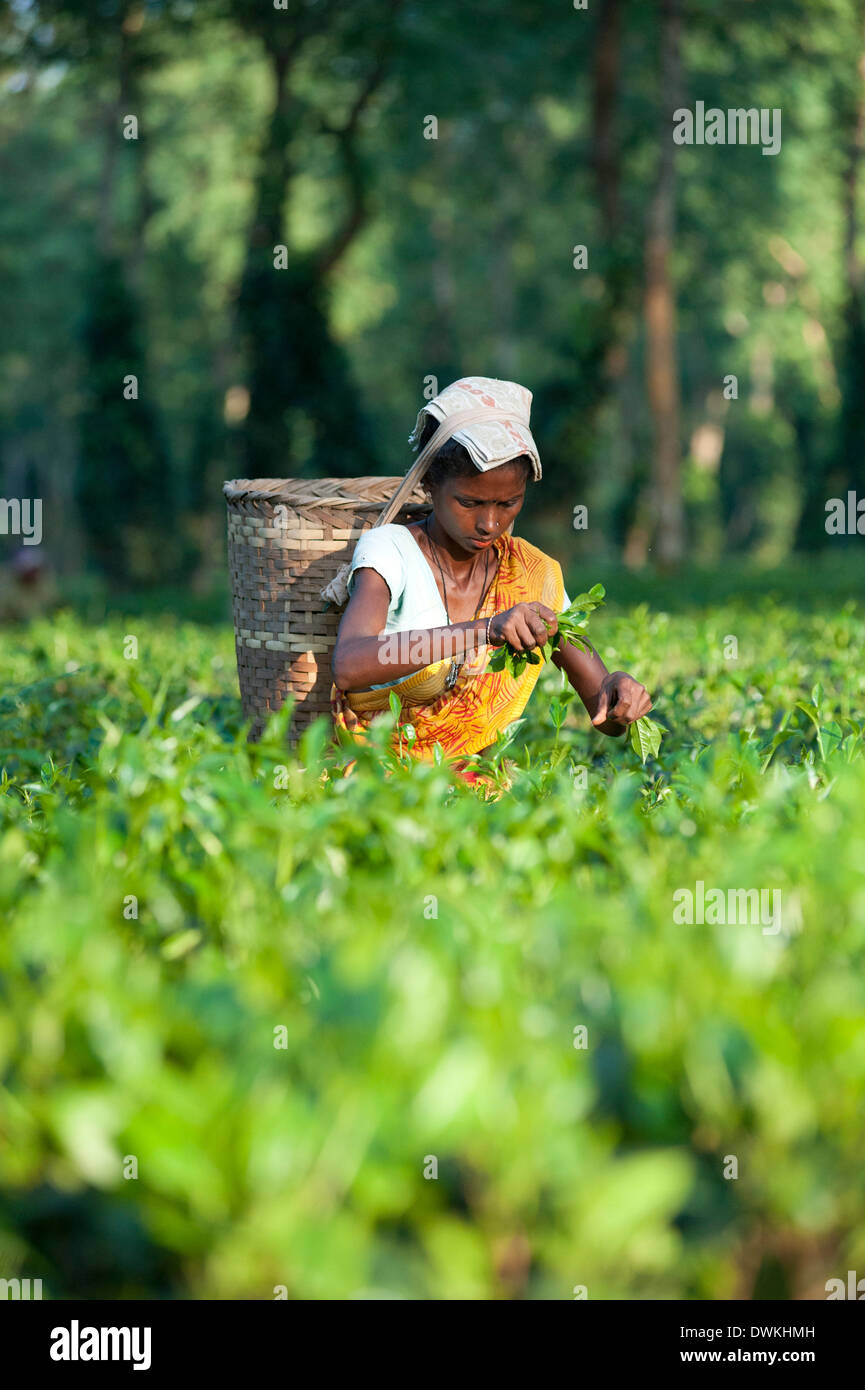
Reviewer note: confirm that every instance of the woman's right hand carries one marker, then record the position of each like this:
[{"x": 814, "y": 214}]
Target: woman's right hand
[{"x": 523, "y": 626}]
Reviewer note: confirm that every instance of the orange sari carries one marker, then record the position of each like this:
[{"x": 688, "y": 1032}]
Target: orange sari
[{"x": 468, "y": 718}]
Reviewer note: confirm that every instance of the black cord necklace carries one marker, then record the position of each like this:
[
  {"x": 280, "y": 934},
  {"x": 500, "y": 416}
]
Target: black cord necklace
[{"x": 456, "y": 666}]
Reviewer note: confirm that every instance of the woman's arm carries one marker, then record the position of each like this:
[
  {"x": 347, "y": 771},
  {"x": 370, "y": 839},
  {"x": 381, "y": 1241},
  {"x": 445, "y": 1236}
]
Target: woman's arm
[
  {"x": 362, "y": 657},
  {"x": 613, "y": 699}
]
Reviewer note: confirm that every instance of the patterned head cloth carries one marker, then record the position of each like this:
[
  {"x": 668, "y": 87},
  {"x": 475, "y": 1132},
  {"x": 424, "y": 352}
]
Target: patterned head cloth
[{"x": 488, "y": 442}]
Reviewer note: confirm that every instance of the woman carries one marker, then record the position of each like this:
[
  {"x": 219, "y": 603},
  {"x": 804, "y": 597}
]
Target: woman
[{"x": 429, "y": 600}]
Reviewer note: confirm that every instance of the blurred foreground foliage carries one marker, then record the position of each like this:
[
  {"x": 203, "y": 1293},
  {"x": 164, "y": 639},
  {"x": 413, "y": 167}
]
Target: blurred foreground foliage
[{"x": 424, "y": 957}]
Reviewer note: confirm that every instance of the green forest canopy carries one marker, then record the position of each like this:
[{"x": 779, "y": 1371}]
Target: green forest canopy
[{"x": 410, "y": 260}]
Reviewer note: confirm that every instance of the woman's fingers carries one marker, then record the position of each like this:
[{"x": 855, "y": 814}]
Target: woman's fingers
[
  {"x": 543, "y": 622},
  {"x": 548, "y": 618},
  {"x": 621, "y": 712},
  {"x": 527, "y": 632},
  {"x": 622, "y": 700},
  {"x": 529, "y": 625},
  {"x": 526, "y": 635},
  {"x": 633, "y": 701},
  {"x": 641, "y": 700}
]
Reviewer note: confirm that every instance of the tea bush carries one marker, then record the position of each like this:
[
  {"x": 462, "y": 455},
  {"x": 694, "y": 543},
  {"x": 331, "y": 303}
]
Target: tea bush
[{"x": 265, "y": 1027}]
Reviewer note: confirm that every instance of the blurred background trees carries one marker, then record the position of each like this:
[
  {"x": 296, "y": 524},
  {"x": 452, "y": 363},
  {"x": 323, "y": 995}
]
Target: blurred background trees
[{"x": 282, "y": 256}]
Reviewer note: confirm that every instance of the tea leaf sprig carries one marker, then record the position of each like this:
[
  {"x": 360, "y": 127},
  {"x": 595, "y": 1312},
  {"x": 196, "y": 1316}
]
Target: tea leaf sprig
[
  {"x": 645, "y": 735},
  {"x": 570, "y": 629}
]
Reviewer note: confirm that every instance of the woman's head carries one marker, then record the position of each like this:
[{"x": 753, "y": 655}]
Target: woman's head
[{"x": 470, "y": 504}]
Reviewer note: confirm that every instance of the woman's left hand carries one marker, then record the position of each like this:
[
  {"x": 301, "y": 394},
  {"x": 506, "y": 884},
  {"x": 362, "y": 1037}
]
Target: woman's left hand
[{"x": 621, "y": 701}]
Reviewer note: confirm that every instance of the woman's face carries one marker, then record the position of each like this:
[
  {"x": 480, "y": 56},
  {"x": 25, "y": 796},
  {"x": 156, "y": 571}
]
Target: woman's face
[{"x": 474, "y": 511}]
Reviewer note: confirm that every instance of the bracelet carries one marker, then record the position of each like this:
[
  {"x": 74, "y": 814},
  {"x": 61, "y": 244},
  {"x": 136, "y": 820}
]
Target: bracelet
[{"x": 489, "y": 620}]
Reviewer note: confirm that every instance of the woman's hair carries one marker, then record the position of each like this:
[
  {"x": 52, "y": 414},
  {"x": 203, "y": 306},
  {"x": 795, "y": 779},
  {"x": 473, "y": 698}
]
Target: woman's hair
[{"x": 452, "y": 459}]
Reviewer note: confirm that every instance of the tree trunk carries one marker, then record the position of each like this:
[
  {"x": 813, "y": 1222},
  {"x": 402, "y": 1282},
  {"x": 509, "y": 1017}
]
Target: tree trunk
[
  {"x": 660, "y": 311},
  {"x": 828, "y": 474},
  {"x": 849, "y": 470},
  {"x": 618, "y": 309},
  {"x": 266, "y": 331},
  {"x": 605, "y": 85}
]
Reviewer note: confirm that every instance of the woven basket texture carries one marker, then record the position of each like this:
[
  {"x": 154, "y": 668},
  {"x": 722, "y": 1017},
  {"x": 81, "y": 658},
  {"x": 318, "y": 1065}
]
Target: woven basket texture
[{"x": 286, "y": 540}]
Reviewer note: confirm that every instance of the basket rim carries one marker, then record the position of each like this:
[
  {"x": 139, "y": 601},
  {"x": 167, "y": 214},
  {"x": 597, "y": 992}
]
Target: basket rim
[{"x": 330, "y": 492}]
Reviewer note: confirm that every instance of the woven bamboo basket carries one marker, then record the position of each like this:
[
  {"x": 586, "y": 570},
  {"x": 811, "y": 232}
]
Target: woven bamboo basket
[{"x": 287, "y": 539}]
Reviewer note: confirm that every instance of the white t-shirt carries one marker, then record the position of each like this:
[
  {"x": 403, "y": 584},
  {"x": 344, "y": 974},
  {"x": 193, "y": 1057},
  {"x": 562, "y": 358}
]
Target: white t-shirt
[{"x": 415, "y": 601}]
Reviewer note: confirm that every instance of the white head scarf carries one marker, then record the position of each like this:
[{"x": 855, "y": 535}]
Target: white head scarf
[{"x": 489, "y": 443}]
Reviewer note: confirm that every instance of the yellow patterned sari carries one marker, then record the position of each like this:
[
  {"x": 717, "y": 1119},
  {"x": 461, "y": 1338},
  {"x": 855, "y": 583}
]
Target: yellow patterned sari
[{"x": 468, "y": 718}]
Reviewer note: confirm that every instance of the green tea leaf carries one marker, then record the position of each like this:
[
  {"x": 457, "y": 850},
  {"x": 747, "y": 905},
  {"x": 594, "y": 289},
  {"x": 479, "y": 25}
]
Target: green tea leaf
[
  {"x": 645, "y": 736},
  {"x": 832, "y": 734},
  {"x": 811, "y": 712},
  {"x": 558, "y": 711},
  {"x": 780, "y": 737}
]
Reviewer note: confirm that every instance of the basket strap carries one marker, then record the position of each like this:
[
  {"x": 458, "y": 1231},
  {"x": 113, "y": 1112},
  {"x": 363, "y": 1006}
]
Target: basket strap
[{"x": 451, "y": 425}]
